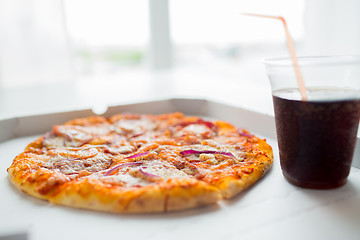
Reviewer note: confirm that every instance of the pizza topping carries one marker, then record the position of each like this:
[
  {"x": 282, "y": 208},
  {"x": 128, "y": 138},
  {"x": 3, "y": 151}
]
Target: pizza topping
[
  {"x": 200, "y": 128},
  {"x": 207, "y": 157},
  {"x": 190, "y": 169},
  {"x": 113, "y": 150},
  {"x": 200, "y": 121},
  {"x": 164, "y": 170},
  {"x": 195, "y": 129},
  {"x": 138, "y": 155},
  {"x": 148, "y": 147},
  {"x": 64, "y": 131},
  {"x": 114, "y": 169},
  {"x": 73, "y": 136},
  {"x": 165, "y": 141},
  {"x": 142, "y": 173},
  {"x": 73, "y": 152},
  {"x": 136, "y": 135},
  {"x": 50, "y": 140},
  {"x": 212, "y": 143},
  {"x": 82, "y": 155},
  {"x": 91, "y": 150},
  {"x": 112, "y": 139},
  {"x": 84, "y": 173},
  {"x": 134, "y": 127},
  {"x": 187, "y": 139},
  {"x": 124, "y": 179},
  {"x": 209, "y": 124},
  {"x": 189, "y": 152},
  {"x": 245, "y": 134},
  {"x": 213, "y": 154},
  {"x": 121, "y": 150},
  {"x": 143, "y": 139},
  {"x": 74, "y": 165},
  {"x": 148, "y": 176}
]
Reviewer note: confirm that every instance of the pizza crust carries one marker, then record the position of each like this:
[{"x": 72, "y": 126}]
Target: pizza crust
[
  {"x": 28, "y": 176},
  {"x": 249, "y": 175},
  {"x": 169, "y": 196}
]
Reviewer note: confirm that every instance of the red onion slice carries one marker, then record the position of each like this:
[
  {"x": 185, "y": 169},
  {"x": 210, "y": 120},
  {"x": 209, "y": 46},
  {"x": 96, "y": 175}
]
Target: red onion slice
[
  {"x": 137, "y": 155},
  {"x": 149, "y": 175},
  {"x": 244, "y": 134},
  {"x": 189, "y": 152},
  {"x": 130, "y": 164}
]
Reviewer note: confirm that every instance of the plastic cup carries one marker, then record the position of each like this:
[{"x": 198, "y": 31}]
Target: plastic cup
[{"x": 316, "y": 137}]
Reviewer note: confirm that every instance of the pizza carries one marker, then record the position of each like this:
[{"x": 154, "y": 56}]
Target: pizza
[{"x": 135, "y": 163}]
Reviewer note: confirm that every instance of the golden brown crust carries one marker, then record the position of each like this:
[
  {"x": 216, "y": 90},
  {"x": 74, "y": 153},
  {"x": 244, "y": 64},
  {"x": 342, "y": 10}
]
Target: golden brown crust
[
  {"x": 167, "y": 196},
  {"x": 27, "y": 175},
  {"x": 134, "y": 163},
  {"x": 261, "y": 163}
]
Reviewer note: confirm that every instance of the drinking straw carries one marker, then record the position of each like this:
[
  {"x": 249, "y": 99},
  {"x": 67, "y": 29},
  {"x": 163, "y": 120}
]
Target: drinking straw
[{"x": 291, "y": 47}]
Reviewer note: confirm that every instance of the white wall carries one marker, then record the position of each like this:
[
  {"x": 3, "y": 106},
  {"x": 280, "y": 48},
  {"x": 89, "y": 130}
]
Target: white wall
[
  {"x": 332, "y": 27},
  {"x": 33, "y": 43}
]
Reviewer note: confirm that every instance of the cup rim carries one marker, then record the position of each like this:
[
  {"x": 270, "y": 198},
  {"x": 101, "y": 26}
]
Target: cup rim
[{"x": 312, "y": 60}]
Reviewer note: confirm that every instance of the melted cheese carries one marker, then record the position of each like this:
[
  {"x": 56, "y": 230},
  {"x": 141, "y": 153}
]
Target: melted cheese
[
  {"x": 132, "y": 176},
  {"x": 122, "y": 149},
  {"x": 126, "y": 180},
  {"x": 164, "y": 170},
  {"x": 70, "y": 165},
  {"x": 196, "y": 128},
  {"x": 210, "y": 158},
  {"x": 54, "y": 142},
  {"x": 73, "y": 136},
  {"x": 134, "y": 126},
  {"x": 82, "y": 153}
]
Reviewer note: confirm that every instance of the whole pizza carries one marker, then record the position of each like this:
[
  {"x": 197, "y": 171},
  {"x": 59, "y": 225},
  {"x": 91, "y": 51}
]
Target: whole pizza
[{"x": 132, "y": 163}]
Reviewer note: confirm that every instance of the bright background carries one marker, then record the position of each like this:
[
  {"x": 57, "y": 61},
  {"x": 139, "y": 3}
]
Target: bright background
[
  {"x": 117, "y": 32},
  {"x": 79, "y": 53}
]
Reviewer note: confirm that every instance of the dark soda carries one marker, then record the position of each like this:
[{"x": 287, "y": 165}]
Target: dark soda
[{"x": 316, "y": 137}]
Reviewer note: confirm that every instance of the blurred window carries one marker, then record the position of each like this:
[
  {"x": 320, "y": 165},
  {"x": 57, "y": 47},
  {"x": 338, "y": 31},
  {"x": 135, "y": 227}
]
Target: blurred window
[
  {"x": 211, "y": 30},
  {"x": 107, "y": 35}
]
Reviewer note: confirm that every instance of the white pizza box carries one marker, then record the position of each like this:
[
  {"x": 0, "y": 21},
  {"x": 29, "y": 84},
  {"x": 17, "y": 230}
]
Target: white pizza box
[{"x": 271, "y": 209}]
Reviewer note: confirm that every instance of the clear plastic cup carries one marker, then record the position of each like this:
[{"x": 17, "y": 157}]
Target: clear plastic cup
[{"x": 316, "y": 137}]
